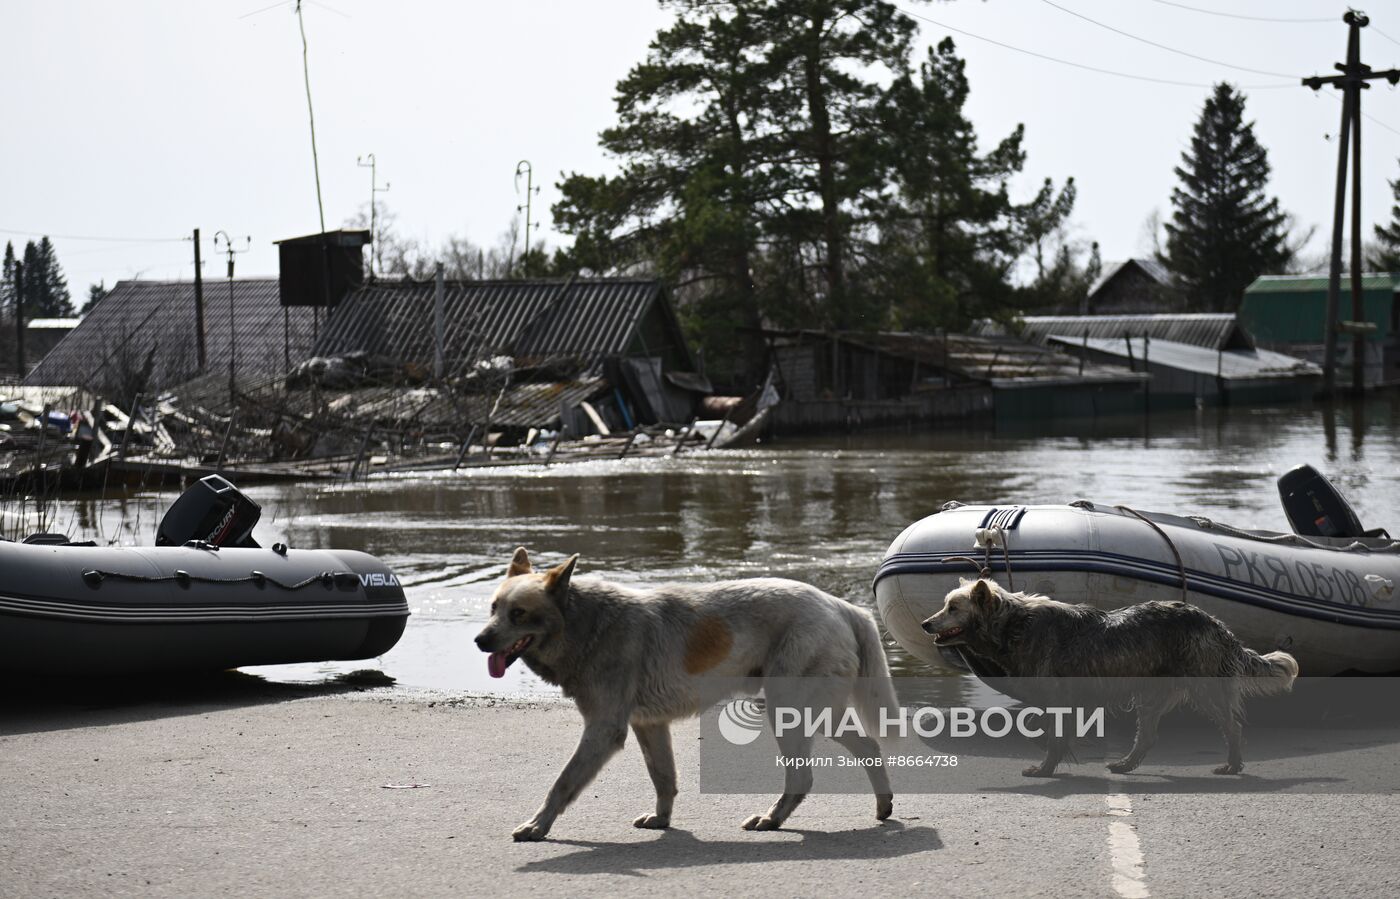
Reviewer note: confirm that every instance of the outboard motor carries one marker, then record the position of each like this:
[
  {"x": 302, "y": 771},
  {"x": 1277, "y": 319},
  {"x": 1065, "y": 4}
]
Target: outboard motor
[
  {"x": 212, "y": 511},
  {"x": 1315, "y": 508}
]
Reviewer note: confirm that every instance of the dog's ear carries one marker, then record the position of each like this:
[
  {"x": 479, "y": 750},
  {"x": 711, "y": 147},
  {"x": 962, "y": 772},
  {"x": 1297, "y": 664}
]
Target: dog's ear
[
  {"x": 982, "y": 592},
  {"x": 556, "y": 580},
  {"x": 519, "y": 563}
]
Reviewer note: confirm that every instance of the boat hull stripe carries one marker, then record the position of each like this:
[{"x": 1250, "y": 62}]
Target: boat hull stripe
[
  {"x": 1206, "y": 583},
  {"x": 45, "y": 608}
]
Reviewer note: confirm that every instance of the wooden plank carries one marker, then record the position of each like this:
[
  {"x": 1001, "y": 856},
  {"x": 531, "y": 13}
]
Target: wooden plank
[{"x": 598, "y": 424}]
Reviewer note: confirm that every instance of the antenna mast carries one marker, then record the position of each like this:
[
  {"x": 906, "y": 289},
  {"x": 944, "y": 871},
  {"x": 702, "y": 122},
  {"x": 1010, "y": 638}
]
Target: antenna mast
[{"x": 376, "y": 258}]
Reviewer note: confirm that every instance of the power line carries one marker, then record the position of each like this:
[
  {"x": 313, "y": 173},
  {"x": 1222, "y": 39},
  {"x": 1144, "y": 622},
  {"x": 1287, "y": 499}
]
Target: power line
[
  {"x": 1367, "y": 115},
  {"x": 343, "y": 15},
  {"x": 1377, "y": 121},
  {"x": 1080, "y": 65},
  {"x": 1386, "y": 36},
  {"x": 124, "y": 247},
  {"x": 265, "y": 9},
  {"x": 1231, "y": 15},
  {"x": 287, "y": 2},
  {"x": 52, "y": 236},
  {"x": 1150, "y": 43}
]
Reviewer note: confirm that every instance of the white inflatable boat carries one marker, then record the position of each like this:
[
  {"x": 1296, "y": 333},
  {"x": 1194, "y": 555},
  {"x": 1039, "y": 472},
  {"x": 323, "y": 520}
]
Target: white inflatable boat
[{"x": 1326, "y": 593}]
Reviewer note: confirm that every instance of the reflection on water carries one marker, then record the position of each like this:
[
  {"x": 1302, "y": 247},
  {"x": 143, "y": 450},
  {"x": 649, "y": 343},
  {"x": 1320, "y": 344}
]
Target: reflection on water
[{"x": 820, "y": 510}]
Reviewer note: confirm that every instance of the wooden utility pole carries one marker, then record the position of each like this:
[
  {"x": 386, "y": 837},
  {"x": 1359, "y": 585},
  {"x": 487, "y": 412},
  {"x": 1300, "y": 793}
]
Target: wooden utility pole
[
  {"x": 200, "y": 348},
  {"x": 232, "y": 316},
  {"x": 1353, "y": 79}
]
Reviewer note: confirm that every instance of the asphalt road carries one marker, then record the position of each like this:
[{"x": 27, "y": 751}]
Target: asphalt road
[{"x": 264, "y": 790}]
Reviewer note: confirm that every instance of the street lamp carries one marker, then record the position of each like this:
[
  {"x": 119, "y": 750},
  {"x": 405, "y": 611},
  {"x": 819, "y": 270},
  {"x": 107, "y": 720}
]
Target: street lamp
[{"x": 529, "y": 170}]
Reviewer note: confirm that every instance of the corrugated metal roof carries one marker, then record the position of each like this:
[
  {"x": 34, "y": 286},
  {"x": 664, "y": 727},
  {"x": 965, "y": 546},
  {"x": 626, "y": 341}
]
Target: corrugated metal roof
[
  {"x": 1280, "y": 309},
  {"x": 1305, "y": 283},
  {"x": 530, "y": 321},
  {"x": 1230, "y": 364},
  {"x": 1000, "y": 361},
  {"x": 1214, "y": 331},
  {"x": 157, "y": 318}
]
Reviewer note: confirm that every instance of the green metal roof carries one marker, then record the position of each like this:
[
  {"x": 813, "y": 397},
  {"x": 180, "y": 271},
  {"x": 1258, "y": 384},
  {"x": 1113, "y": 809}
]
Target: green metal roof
[
  {"x": 1292, "y": 308},
  {"x": 1302, "y": 283}
]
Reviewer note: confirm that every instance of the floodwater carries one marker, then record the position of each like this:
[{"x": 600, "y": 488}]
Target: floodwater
[{"x": 822, "y": 510}]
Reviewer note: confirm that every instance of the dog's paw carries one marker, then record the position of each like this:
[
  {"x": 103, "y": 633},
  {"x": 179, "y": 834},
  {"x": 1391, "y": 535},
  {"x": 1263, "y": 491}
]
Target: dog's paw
[
  {"x": 1122, "y": 766},
  {"x": 652, "y": 822},
  {"x": 1229, "y": 769},
  {"x": 1038, "y": 771},
  {"x": 884, "y": 806},
  {"x": 760, "y": 822},
  {"x": 529, "y": 832}
]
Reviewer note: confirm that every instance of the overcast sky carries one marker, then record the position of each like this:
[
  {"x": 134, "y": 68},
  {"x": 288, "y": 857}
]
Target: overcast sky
[{"x": 143, "y": 120}]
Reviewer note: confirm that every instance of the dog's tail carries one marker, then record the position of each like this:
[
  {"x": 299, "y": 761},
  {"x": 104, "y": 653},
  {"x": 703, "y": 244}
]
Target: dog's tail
[
  {"x": 874, "y": 691},
  {"x": 1268, "y": 675}
]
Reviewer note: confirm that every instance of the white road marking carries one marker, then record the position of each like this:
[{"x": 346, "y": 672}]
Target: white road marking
[{"x": 1124, "y": 850}]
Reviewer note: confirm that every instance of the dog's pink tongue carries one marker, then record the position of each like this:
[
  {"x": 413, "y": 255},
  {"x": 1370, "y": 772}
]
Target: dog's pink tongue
[{"x": 496, "y": 664}]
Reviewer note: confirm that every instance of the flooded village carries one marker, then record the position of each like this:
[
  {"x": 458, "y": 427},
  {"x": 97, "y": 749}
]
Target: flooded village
[
  {"x": 266, "y": 379},
  {"x": 792, "y": 447}
]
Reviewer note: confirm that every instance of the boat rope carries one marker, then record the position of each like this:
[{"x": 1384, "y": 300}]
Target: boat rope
[
  {"x": 1180, "y": 566},
  {"x": 1291, "y": 539},
  {"x": 1005, "y": 555},
  {"x": 984, "y": 568},
  {"x": 327, "y": 579}
]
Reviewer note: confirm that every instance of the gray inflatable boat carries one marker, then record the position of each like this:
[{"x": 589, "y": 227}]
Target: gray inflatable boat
[{"x": 210, "y": 602}]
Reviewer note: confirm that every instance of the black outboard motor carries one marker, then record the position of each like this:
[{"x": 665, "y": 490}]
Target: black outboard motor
[
  {"x": 1315, "y": 508},
  {"x": 212, "y": 511}
]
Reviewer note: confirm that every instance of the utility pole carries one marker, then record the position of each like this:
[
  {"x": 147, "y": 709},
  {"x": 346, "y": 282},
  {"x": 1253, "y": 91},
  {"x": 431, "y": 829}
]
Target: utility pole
[
  {"x": 232, "y": 345},
  {"x": 1353, "y": 79},
  {"x": 200, "y": 348},
  {"x": 530, "y": 191},
  {"x": 376, "y": 259}
]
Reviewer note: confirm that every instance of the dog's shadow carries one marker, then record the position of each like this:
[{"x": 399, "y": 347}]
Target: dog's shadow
[
  {"x": 1065, "y": 785},
  {"x": 681, "y": 849}
]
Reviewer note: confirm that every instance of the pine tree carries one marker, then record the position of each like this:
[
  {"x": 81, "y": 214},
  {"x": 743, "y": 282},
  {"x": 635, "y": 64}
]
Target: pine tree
[
  {"x": 827, "y": 59},
  {"x": 1225, "y": 231},
  {"x": 749, "y": 156},
  {"x": 7, "y": 284},
  {"x": 768, "y": 169},
  {"x": 1386, "y": 257},
  {"x": 685, "y": 205},
  {"x": 45, "y": 288},
  {"x": 55, "y": 300},
  {"x": 95, "y": 294},
  {"x": 951, "y": 233},
  {"x": 27, "y": 292}
]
